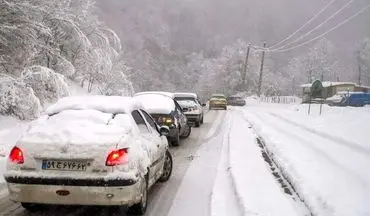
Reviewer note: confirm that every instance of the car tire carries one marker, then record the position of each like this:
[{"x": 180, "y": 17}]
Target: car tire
[
  {"x": 176, "y": 141},
  {"x": 197, "y": 123},
  {"x": 140, "y": 208},
  {"x": 225, "y": 108},
  {"x": 167, "y": 167},
  {"x": 201, "y": 121},
  {"x": 187, "y": 132},
  {"x": 31, "y": 206}
]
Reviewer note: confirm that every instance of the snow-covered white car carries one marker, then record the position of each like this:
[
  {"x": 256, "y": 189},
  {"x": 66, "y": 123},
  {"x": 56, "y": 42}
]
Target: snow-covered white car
[
  {"x": 89, "y": 150},
  {"x": 191, "y": 106}
]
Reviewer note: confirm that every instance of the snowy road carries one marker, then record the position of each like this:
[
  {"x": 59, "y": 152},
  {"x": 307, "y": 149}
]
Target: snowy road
[
  {"x": 322, "y": 156},
  {"x": 164, "y": 198}
]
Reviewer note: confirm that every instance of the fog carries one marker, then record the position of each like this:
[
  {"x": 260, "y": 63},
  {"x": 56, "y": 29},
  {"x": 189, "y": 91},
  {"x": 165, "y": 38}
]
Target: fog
[{"x": 182, "y": 27}]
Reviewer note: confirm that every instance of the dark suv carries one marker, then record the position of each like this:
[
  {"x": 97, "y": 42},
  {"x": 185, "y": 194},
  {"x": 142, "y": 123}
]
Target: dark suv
[{"x": 166, "y": 111}]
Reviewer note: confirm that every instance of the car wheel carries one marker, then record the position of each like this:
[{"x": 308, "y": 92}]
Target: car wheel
[
  {"x": 140, "y": 208},
  {"x": 187, "y": 132},
  {"x": 201, "y": 121},
  {"x": 31, "y": 206},
  {"x": 225, "y": 108},
  {"x": 197, "y": 123},
  {"x": 167, "y": 167},
  {"x": 176, "y": 141}
]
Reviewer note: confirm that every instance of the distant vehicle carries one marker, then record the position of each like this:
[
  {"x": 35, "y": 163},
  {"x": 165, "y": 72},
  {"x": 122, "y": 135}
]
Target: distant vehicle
[
  {"x": 356, "y": 99},
  {"x": 90, "y": 150},
  {"x": 235, "y": 101},
  {"x": 166, "y": 112},
  {"x": 218, "y": 101},
  {"x": 191, "y": 106}
]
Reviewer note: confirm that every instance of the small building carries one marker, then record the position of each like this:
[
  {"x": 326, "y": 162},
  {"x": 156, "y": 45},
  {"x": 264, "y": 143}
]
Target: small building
[
  {"x": 330, "y": 88},
  {"x": 365, "y": 89}
]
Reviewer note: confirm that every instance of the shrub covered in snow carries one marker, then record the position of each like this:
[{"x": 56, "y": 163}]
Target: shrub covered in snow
[
  {"x": 47, "y": 85},
  {"x": 17, "y": 99}
]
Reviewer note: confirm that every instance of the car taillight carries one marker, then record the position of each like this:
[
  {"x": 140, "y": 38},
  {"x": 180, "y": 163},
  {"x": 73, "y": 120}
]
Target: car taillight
[
  {"x": 117, "y": 157},
  {"x": 16, "y": 156}
]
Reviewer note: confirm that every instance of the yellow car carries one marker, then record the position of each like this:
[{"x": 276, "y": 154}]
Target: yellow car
[{"x": 218, "y": 101}]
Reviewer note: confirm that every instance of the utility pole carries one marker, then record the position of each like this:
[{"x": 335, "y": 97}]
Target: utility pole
[
  {"x": 261, "y": 70},
  {"x": 359, "y": 73},
  {"x": 246, "y": 66}
]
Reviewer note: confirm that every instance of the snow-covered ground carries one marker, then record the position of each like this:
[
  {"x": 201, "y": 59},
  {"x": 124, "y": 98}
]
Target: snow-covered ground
[
  {"x": 256, "y": 190},
  {"x": 326, "y": 158},
  {"x": 229, "y": 176}
]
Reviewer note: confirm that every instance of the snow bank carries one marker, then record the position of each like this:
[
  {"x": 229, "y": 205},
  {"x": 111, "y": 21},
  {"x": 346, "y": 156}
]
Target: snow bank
[{"x": 325, "y": 157}]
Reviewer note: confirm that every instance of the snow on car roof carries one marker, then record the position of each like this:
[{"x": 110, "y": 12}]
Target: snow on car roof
[
  {"x": 185, "y": 94},
  {"x": 107, "y": 104},
  {"x": 156, "y": 103},
  {"x": 168, "y": 94}
]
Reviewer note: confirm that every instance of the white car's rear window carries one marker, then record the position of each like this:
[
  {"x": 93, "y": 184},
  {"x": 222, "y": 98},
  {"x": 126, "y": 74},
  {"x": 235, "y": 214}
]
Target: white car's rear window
[
  {"x": 155, "y": 103},
  {"x": 187, "y": 103}
]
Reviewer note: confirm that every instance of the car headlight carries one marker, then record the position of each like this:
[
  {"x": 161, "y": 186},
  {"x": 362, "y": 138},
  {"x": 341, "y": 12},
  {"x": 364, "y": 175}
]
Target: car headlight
[
  {"x": 165, "y": 120},
  {"x": 168, "y": 121}
]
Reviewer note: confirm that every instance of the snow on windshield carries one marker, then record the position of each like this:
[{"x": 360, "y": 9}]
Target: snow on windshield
[{"x": 156, "y": 104}]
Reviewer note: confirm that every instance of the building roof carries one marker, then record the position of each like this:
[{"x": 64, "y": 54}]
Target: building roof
[
  {"x": 361, "y": 86},
  {"x": 329, "y": 83}
]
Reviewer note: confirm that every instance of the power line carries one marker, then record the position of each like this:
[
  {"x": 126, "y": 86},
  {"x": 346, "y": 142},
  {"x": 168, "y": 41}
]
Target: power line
[
  {"x": 304, "y": 25},
  {"x": 317, "y": 27},
  {"x": 327, "y": 32}
]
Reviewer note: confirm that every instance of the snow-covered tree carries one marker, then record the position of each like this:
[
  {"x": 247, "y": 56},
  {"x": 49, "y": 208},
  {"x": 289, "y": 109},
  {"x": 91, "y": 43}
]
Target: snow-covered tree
[
  {"x": 17, "y": 99},
  {"x": 42, "y": 43},
  {"x": 363, "y": 61},
  {"x": 47, "y": 85}
]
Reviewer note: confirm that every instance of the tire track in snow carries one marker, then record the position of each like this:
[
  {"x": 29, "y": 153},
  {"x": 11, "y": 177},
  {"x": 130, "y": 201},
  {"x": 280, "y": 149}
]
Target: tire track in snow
[
  {"x": 283, "y": 179},
  {"x": 339, "y": 141},
  {"x": 309, "y": 144},
  {"x": 322, "y": 148},
  {"x": 230, "y": 197}
]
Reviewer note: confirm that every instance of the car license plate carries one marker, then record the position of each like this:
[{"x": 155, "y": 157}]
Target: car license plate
[{"x": 64, "y": 165}]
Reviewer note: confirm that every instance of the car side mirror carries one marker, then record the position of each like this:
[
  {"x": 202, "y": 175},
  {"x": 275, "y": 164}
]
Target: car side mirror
[{"x": 164, "y": 130}]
